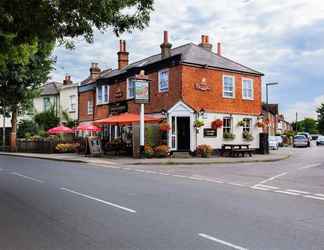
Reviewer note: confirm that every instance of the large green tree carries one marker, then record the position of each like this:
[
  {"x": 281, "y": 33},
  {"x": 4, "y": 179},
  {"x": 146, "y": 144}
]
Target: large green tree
[
  {"x": 307, "y": 125},
  {"x": 320, "y": 124}
]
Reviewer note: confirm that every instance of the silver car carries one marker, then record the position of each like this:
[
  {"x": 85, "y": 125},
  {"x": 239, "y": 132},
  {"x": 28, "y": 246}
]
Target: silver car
[{"x": 300, "y": 141}]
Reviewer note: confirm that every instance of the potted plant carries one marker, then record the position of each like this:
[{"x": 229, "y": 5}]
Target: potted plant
[
  {"x": 161, "y": 151},
  {"x": 247, "y": 136},
  {"x": 217, "y": 124},
  {"x": 204, "y": 151},
  {"x": 228, "y": 136},
  {"x": 198, "y": 123},
  {"x": 148, "y": 151}
]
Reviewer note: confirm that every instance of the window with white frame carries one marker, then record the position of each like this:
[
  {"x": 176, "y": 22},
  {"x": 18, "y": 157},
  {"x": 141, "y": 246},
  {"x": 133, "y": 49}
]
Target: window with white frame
[
  {"x": 247, "y": 89},
  {"x": 227, "y": 125},
  {"x": 163, "y": 80},
  {"x": 228, "y": 86},
  {"x": 72, "y": 103},
  {"x": 90, "y": 106},
  {"x": 247, "y": 125},
  {"x": 46, "y": 103},
  {"x": 130, "y": 89},
  {"x": 102, "y": 94}
]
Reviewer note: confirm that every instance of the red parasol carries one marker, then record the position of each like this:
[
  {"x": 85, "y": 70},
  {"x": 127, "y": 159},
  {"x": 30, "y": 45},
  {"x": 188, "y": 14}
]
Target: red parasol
[
  {"x": 88, "y": 127},
  {"x": 60, "y": 130}
]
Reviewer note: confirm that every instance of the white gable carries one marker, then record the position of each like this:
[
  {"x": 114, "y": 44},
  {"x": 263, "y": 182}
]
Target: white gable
[{"x": 180, "y": 107}]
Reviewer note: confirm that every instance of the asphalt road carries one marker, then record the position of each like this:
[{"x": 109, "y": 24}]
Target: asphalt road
[{"x": 56, "y": 205}]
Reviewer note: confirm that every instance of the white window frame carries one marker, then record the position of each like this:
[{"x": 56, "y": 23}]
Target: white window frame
[
  {"x": 159, "y": 78},
  {"x": 226, "y": 127},
  {"x": 128, "y": 92},
  {"x": 247, "y": 126},
  {"x": 90, "y": 107},
  {"x": 101, "y": 90},
  {"x": 252, "y": 89},
  {"x": 72, "y": 103},
  {"x": 233, "y": 91},
  {"x": 46, "y": 103}
]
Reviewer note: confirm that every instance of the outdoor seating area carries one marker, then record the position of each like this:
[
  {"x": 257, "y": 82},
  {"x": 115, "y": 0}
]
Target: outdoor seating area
[{"x": 236, "y": 150}]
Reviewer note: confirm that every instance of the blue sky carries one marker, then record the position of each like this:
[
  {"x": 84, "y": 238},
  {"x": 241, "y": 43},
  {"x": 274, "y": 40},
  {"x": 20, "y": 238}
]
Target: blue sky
[{"x": 283, "y": 39}]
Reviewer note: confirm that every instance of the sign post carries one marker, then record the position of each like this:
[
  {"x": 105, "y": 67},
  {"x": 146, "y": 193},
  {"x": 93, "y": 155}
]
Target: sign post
[{"x": 142, "y": 96}]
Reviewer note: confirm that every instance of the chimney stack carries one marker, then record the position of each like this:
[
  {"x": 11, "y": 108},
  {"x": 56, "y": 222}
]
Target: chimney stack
[
  {"x": 165, "y": 46},
  {"x": 94, "y": 71},
  {"x": 219, "y": 49},
  {"x": 205, "y": 43},
  {"x": 67, "y": 80},
  {"x": 122, "y": 55}
]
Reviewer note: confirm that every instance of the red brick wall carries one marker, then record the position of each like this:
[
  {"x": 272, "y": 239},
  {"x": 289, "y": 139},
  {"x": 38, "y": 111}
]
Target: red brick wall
[
  {"x": 213, "y": 100},
  {"x": 83, "y": 106}
]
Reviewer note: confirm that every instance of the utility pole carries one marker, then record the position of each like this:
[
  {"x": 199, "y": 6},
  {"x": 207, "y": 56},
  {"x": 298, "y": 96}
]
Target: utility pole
[
  {"x": 267, "y": 100},
  {"x": 4, "y": 127},
  {"x": 296, "y": 127}
]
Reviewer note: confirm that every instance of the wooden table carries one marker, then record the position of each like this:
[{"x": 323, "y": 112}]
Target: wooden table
[{"x": 236, "y": 149}]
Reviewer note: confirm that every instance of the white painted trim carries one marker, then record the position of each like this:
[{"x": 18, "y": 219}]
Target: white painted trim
[
  {"x": 246, "y": 98},
  {"x": 127, "y": 89},
  {"x": 233, "y": 77},
  {"x": 172, "y": 109}
]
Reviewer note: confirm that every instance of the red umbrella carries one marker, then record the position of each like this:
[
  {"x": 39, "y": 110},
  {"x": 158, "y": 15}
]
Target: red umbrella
[
  {"x": 88, "y": 127},
  {"x": 60, "y": 130}
]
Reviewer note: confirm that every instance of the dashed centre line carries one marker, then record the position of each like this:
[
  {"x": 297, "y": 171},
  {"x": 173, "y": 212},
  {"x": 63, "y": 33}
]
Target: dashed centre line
[
  {"x": 225, "y": 243},
  {"x": 27, "y": 177}
]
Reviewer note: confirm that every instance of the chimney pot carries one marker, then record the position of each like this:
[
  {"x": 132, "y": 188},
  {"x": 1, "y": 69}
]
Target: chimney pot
[
  {"x": 165, "y": 46},
  {"x": 67, "y": 80},
  {"x": 94, "y": 71},
  {"x": 205, "y": 42},
  {"x": 122, "y": 55},
  {"x": 219, "y": 49}
]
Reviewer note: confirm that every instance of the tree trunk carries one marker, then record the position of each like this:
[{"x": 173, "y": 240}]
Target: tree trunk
[{"x": 13, "y": 135}]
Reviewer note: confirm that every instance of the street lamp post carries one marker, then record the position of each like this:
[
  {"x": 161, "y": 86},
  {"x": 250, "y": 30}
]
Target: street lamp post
[{"x": 267, "y": 99}]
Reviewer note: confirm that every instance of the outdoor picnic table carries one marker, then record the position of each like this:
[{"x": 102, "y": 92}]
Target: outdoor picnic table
[{"x": 236, "y": 149}]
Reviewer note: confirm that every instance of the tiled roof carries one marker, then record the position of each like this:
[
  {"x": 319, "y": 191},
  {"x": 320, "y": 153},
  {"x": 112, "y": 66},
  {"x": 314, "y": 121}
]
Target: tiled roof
[
  {"x": 89, "y": 80},
  {"x": 191, "y": 54},
  {"x": 51, "y": 88}
]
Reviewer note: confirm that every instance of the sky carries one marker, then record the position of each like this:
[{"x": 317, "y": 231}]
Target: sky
[{"x": 284, "y": 39}]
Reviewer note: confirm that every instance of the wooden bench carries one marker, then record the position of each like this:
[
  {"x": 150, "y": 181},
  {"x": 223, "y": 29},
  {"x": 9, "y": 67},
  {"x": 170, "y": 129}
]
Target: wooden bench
[{"x": 236, "y": 152}]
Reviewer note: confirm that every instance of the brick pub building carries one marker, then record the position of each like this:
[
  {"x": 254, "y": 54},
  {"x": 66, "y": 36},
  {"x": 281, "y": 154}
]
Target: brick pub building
[{"x": 188, "y": 82}]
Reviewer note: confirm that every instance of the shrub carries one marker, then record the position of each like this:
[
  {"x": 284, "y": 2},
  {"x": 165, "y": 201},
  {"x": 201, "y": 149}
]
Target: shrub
[
  {"x": 47, "y": 120},
  {"x": 161, "y": 151},
  {"x": 198, "y": 123},
  {"x": 204, "y": 150},
  {"x": 28, "y": 127},
  {"x": 148, "y": 151},
  {"x": 247, "y": 136},
  {"x": 217, "y": 124},
  {"x": 228, "y": 136},
  {"x": 66, "y": 148}
]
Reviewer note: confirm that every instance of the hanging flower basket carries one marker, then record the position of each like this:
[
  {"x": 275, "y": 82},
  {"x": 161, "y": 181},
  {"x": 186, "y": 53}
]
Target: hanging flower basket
[
  {"x": 217, "y": 124},
  {"x": 241, "y": 123},
  {"x": 198, "y": 123},
  {"x": 164, "y": 127},
  {"x": 260, "y": 124},
  {"x": 247, "y": 136},
  {"x": 228, "y": 136}
]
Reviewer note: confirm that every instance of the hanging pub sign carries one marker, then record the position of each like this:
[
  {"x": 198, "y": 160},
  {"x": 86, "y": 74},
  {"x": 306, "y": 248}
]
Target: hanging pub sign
[{"x": 141, "y": 85}]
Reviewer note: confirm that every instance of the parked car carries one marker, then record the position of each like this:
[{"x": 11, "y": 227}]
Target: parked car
[
  {"x": 273, "y": 143},
  {"x": 315, "y": 136},
  {"x": 300, "y": 141},
  {"x": 279, "y": 139},
  {"x": 320, "y": 140},
  {"x": 307, "y": 135}
]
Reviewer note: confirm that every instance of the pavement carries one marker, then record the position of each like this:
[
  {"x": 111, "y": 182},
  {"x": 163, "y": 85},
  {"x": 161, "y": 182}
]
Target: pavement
[
  {"x": 273, "y": 156},
  {"x": 70, "y": 205}
]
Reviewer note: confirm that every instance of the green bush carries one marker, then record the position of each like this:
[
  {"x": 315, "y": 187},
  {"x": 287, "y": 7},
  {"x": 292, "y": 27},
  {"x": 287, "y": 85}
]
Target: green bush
[
  {"x": 47, "y": 120},
  {"x": 228, "y": 136},
  {"x": 28, "y": 127},
  {"x": 247, "y": 136}
]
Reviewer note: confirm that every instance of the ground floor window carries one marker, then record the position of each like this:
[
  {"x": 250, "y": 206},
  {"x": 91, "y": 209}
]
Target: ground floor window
[
  {"x": 247, "y": 125},
  {"x": 227, "y": 125}
]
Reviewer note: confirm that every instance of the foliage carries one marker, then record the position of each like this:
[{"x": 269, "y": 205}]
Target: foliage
[
  {"x": 47, "y": 119},
  {"x": 289, "y": 133},
  {"x": 247, "y": 136},
  {"x": 228, "y": 136},
  {"x": 148, "y": 151},
  {"x": 60, "y": 20},
  {"x": 204, "y": 150},
  {"x": 161, "y": 151},
  {"x": 150, "y": 135},
  {"x": 307, "y": 125},
  {"x": 320, "y": 113},
  {"x": 198, "y": 123},
  {"x": 241, "y": 123},
  {"x": 164, "y": 126},
  {"x": 217, "y": 124},
  {"x": 28, "y": 127},
  {"x": 67, "y": 120},
  {"x": 67, "y": 147}
]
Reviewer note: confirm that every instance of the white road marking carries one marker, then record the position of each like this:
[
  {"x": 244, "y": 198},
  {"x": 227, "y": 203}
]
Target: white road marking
[
  {"x": 212, "y": 180},
  {"x": 260, "y": 188},
  {"x": 310, "y": 166},
  {"x": 297, "y": 191},
  {"x": 179, "y": 176},
  {"x": 140, "y": 170},
  {"x": 225, "y": 243},
  {"x": 99, "y": 200},
  {"x": 266, "y": 186},
  {"x": 320, "y": 195},
  {"x": 164, "y": 174},
  {"x": 195, "y": 178},
  {"x": 314, "y": 197},
  {"x": 127, "y": 168},
  {"x": 150, "y": 172},
  {"x": 286, "y": 192},
  {"x": 235, "y": 184},
  {"x": 27, "y": 177},
  {"x": 272, "y": 178}
]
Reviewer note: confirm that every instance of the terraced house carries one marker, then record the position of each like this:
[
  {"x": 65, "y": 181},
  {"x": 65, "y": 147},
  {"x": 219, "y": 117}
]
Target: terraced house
[{"x": 189, "y": 83}]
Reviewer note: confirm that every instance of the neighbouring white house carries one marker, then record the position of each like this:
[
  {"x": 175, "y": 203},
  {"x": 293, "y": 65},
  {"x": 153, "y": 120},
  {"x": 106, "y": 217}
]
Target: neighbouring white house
[{"x": 62, "y": 97}]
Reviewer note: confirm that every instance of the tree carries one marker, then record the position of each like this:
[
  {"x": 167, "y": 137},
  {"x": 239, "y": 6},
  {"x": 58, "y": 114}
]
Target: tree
[
  {"x": 320, "y": 124},
  {"x": 307, "y": 125}
]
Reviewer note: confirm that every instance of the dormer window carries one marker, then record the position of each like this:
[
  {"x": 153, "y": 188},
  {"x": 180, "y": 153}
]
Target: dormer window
[{"x": 163, "y": 80}]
